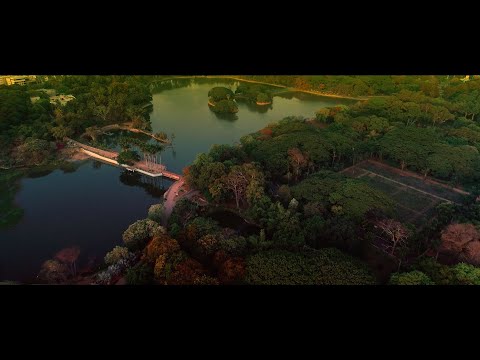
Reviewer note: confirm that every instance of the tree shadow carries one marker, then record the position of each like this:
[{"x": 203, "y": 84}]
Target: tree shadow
[
  {"x": 155, "y": 187},
  {"x": 226, "y": 116}
]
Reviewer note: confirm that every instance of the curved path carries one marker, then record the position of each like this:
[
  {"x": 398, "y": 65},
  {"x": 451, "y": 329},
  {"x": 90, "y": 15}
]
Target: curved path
[{"x": 171, "y": 197}]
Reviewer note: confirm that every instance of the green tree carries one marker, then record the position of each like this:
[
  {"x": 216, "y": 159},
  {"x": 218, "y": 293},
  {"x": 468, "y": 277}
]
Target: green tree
[
  {"x": 225, "y": 106},
  {"x": 140, "y": 232},
  {"x": 33, "y": 152},
  {"x": 128, "y": 157},
  {"x": 411, "y": 278},
  {"x": 263, "y": 98},
  {"x": 219, "y": 93},
  {"x": 60, "y": 132},
  {"x": 467, "y": 274},
  {"x": 140, "y": 274},
  {"x": 156, "y": 212},
  {"x": 118, "y": 253},
  {"x": 323, "y": 267},
  {"x": 409, "y": 145}
]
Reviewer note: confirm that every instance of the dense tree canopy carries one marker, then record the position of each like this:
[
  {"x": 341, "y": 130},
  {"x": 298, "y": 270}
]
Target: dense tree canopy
[
  {"x": 225, "y": 106},
  {"x": 411, "y": 278},
  {"x": 323, "y": 267},
  {"x": 219, "y": 93}
]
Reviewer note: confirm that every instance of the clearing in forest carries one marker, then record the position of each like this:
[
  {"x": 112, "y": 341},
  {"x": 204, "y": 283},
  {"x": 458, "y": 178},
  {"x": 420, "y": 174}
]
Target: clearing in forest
[{"x": 415, "y": 197}]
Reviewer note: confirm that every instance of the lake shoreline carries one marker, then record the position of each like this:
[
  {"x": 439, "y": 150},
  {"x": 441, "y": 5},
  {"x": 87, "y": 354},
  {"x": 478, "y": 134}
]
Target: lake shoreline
[{"x": 290, "y": 90}]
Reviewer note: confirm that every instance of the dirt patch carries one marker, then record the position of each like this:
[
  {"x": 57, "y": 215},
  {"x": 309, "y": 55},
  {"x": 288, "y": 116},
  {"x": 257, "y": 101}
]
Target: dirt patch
[
  {"x": 72, "y": 154},
  {"x": 415, "y": 196}
]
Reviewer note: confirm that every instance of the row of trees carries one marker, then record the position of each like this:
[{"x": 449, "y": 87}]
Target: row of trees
[{"x": 364, "y": 85}]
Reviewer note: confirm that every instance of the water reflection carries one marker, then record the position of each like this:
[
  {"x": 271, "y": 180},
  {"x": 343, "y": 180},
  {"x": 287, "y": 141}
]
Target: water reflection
[
  {"x": 42, "y": 171},
  {"x": 226, "y": 116},
  {"x": 170, "y": 84},
  {"x": 253, "y": 107},
  {"x": 154, "y": 186},
  {"x": 96, "y": 164}
]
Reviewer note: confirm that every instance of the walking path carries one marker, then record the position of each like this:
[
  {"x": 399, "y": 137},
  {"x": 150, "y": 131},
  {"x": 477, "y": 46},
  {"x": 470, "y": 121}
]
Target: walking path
[{"x": 149, "y": 169}]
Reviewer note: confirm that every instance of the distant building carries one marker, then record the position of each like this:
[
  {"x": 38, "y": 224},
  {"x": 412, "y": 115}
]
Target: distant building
[
  {"x": 63, "y": 99},
  {"x": 17, "y": 79}
]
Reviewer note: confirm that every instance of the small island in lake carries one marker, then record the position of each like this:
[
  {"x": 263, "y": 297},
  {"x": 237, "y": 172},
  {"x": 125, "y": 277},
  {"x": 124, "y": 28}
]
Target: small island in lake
[
  {"x": 221, "y": 100},
  {"x": 257, "y": 94}
]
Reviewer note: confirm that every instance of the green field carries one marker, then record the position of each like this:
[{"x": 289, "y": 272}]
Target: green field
[{"x": 415, "y": 198}]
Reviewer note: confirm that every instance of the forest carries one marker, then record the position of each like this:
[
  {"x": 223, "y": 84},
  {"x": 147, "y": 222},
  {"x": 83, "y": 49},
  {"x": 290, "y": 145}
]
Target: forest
[
  {"x": 363, "y": 85},
  {"x": 316, "y": 224},
  {"x": 292, "y": 180}
]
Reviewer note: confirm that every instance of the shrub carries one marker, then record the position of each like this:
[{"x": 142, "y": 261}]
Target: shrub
[
  {"x": 53, "y": 272},
  {"x": 225, "y": 106},
  {"x": 155, "y": 213},
  {"x": 466, "y": 274},
  {"x": 323, "y": 267},
  {"x": 205, "y": 280},
  {"x": 116, "y": 254},
  {"x": 115, "y": 270},
  {"x": 440, "y": 274},
  {"x": 158, "y": 270},
  {"x": 138, "y": 234},
  {"x": 220, "y": 93},
  {"x": 140, "y": 274},
  {"x": 128, "y": 157},
  {"x": 160, "y": 245},
  {"x": 231, "y": 270},
  {"x": 186, "y": 272},
  {"x": 263, "y": 98},
  {"x": 234, "y": 245},
  {"x": 411, "y": 278},
  {"x": 208, "y": 244}
]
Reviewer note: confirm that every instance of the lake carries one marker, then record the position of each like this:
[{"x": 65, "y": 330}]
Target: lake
[{"x": 92, "y": 206}]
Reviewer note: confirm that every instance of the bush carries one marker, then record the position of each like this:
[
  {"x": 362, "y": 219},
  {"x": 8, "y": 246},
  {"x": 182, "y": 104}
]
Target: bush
[
  {"x": 459, "y": 274},
  {"x": 175, "y": 230},
  {"x": 116, "y": 254},
  {"x": 411, "y": 278},
  {"x": 140, "y": 274},
  {"x": 160, "y": 245},
  {"x": 186, "y": 273},
  {"x": 231, "y": 271},
  {"x": 158, "y": 270},
  {"x": 138, "y": 234},
  {"x": 53, "y": 272},
  {"x": 155, "y": 212},
  {"x": 115, "y": 270},
  {"x": 201, "y": 226},
  {"x": 208, "y": 244},
  {"x": 263, "y": 98},
  {"x": 219, "y": 93},
  {"x": 225, "y": 106},
  {"x": 440, "y": 274},
  {"x": 234, "y": 245},
  {"x": 205, "y": 280},
  {"x": 128, "y": 157},
  {"x": 466, "y": 274},
  {"x": 323, "y": 267}
]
